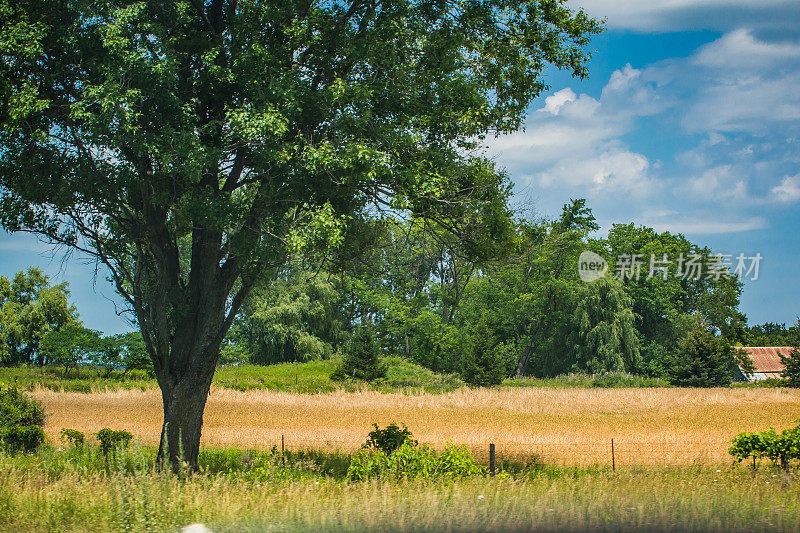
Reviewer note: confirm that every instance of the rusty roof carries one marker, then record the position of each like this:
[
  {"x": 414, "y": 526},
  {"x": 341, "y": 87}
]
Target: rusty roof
[{"x": 767, "y": 358}]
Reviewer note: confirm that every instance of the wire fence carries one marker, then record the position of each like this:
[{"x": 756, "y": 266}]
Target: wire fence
[{"x": 612, "y": 452}]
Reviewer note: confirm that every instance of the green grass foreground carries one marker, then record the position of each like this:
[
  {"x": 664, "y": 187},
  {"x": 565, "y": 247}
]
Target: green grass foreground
[{"x": 76, "y": 490}]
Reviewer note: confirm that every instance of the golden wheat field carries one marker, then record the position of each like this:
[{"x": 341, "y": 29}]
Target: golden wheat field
[{"x": 564, "y": 426}]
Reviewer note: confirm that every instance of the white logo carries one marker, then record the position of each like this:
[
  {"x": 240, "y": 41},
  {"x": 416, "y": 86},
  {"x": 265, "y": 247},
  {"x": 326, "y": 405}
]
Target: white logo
[{"x": 591, "y": 266}]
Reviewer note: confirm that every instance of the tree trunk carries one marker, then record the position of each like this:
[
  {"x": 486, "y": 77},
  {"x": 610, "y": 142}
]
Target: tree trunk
[
  {"x": 184, "y": 402},
  {"x": 522, "y": 362}
]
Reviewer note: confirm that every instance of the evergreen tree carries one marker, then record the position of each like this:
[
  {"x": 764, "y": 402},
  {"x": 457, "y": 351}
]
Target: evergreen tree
[
  {"x": 362, "y": 361},
  {"x": 791, "y": 367},
  {"x": 702, "y": 360},
  {"x": 483, "y": 365}
]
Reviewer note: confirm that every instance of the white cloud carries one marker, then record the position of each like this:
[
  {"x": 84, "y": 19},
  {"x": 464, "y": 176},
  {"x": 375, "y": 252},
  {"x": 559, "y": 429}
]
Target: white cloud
[
  {"x": 788, "y": 190},
  {"x": 554, "y": 102},
  {"x": 574, "y": 141},
  {"x": 748, "y": 104},
  {"x": 681, "y": 135},
  {"x": 740, "y": 49},
  {"x": 611, "y": 172},
  {"x": 676, "y": 15},
  {"x": 702, "y": 225},
  {"x": 721, "y": 183}
]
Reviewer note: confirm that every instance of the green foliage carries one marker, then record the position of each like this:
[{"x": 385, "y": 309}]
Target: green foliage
[
  {"x": 771, "y": 334},
  {"x": 362, "y": 361},
  {"x": 389, "y": 439},
  {"x": 71, "y": 346},
  {"x": 603, "y": 337},
  {"x": 702, "y": 360},
  {"x": 80, "y": 379},
  {"x": 30, "y": 308},
  {"x": 743, "y": 361},
  {"x": 72, "y": 437},
  {"x": 17, "y": 408},
  {"x": 26, "y": 439},
  {"x": 791, "y": 367},
  {"x": 483, "y": 366},
  {"x": 111, "y": 439},
  {"x": 665, "y": 305},
  {"x": 295, "y": 318},
  {"x": 414, "y": 462},
  {"x": 779, "y": 447},
  {"x": 21, "y": 421},
  {"x": 121, "y": 353},
  {"x": 586, "y": 381},
  {"x": 313, "y": 377}
]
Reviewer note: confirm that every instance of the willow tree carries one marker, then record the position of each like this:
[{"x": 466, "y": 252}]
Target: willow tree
[{"x": 191, "y": 145}]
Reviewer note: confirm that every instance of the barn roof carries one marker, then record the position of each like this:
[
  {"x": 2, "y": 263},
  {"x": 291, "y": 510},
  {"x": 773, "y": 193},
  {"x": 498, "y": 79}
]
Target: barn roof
[{"x": 767, "y": 358}]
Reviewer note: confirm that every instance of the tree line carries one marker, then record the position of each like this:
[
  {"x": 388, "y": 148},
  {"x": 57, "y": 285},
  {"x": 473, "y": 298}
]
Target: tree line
[
  {"x": 517, "y": 309},
  {"x": 39, "y": 326}
]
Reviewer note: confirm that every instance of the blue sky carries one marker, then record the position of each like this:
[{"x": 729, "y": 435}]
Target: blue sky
[{"x": 689, "y": 122}]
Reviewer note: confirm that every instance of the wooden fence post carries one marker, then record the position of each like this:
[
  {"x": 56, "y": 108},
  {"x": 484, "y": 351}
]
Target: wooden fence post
[{"x": 491, "y": 460}]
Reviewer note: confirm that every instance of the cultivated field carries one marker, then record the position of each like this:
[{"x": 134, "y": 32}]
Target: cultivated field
[{"x": 561, "y": 426}]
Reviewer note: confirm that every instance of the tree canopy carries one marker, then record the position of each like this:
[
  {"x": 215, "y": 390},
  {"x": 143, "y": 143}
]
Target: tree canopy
[{"x": 30, "y": 307}]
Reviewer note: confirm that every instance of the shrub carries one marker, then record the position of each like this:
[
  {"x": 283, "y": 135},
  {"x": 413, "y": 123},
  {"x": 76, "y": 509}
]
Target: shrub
[
  {"x": 21, "y": 421},
  {"x": 72, "y": 437},
  {"x": 362, "y": 360},
  {"x": 390, "y": 439},
  {"x": 23, "y": 438},
  {"x": 16, "y": 408},
  {"x": 413, "y": 462},
  {"x": 746, "y": 445},
  {"x": 111, "y": 439},
  {"x": 779, "y": 447}
]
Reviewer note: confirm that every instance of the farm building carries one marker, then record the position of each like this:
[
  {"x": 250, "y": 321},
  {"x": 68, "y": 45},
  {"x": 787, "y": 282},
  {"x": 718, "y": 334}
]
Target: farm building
[{"x": 766, "y": 360}]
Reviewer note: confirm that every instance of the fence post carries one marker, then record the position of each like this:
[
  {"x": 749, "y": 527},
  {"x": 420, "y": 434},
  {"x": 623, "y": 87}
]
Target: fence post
[
  {"x": 491, "y": 460},
  {"x": 283, "y": 452},
  {"x": 613, "y": 460}
]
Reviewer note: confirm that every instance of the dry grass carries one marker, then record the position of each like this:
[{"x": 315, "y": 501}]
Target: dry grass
[{"x": 566, "y": 426}]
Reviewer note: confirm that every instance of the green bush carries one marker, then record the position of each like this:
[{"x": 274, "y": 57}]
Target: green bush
[
  {"x": 779, "y": 447},
  {"x": 23, "y": 438},
  {"x": 111, "y": 439},
  {"x": 72, "y": 437},
  {"x": 390, "y": 439},
  {"x": 16, "y": 408},
  {"x": 414, "y": 462},
  {"x": 21, "y": 421}
]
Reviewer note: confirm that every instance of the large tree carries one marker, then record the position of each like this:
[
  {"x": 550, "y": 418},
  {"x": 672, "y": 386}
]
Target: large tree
[
  {"x": 30, "y": 308},
  {"x": 191, "y": 145}
]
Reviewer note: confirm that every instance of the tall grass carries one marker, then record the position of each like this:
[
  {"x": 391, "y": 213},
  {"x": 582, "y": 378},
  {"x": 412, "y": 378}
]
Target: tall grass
[
  {"x": 608, "y": 380},
  {"x": 664, "y": 426},
  {"x": 86, "y": 496}
]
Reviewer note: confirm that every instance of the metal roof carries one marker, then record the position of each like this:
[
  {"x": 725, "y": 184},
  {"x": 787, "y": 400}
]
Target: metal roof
[{"x": 767, "y": 358}]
